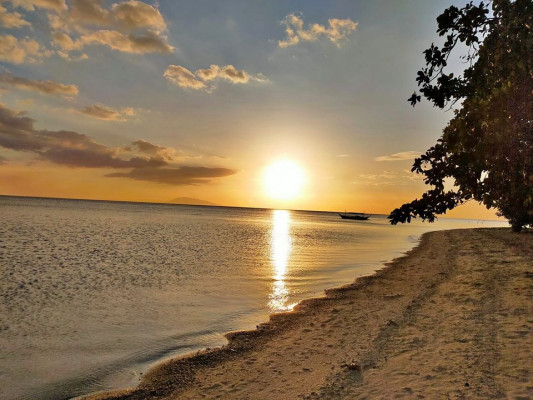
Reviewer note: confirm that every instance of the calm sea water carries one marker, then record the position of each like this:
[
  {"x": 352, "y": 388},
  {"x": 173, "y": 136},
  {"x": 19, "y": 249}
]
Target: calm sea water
[{"x": 94, "y": 293}]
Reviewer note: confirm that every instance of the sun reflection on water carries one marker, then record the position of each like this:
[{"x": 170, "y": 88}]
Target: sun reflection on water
[{"x": 280, "y": 251}]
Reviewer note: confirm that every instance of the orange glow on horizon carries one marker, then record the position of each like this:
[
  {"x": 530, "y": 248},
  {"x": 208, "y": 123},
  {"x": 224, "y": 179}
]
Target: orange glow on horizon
[{"x": 240, "y": 190}]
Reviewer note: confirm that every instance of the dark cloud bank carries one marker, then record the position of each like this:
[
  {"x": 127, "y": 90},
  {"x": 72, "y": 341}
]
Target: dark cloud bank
[{"x": 75, "y": 149}]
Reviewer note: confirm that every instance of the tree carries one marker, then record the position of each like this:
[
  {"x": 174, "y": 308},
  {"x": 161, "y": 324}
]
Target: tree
[{"x": 486, "y": 150}]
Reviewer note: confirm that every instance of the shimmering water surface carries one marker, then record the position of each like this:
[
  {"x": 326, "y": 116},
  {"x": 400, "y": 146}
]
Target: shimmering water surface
[{"x": 93, "y": 293}]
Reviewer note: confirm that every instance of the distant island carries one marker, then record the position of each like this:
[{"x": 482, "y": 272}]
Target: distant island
[{"x": 192, "y": 201}]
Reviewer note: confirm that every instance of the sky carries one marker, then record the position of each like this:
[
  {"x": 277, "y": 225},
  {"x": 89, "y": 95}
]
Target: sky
[{"x": 156, "y": 101}]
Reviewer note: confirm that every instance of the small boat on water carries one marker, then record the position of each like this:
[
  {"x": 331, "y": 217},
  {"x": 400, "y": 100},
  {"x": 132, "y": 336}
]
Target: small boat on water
[{"x": 355, "y": 216}]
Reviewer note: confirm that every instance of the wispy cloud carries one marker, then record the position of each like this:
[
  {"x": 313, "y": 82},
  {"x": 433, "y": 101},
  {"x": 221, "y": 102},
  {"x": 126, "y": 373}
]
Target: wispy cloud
[
  {"x": 100, "y": 111},
  {"x": 203, "y": 78},
  {"x": 175, "y": 176},
  {"x": 388, "y": 178},
  {"x": 145, "y": 161},
  {"x": 149, "y": 42},
  {"x": 18, "y": 51},
  {"x": 404, "y": 155},
  {"x": 45, "y": 87},
  {"x": 382, "y": 178},
  {"x": 31, "y": 5},
  {"x": 12, "y": 19},
  {"x": 336, "y": 30},
  {"x": 154, "y": 150}
]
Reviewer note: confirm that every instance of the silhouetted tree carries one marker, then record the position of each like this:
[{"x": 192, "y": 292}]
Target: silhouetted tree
[{"x": 486, "y": 150}]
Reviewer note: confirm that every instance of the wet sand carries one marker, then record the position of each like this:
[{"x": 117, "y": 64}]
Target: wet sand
[{"x": 452, "y": 319}]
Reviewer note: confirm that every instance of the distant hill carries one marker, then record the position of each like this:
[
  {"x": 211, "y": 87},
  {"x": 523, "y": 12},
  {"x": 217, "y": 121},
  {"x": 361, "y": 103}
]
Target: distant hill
[{"x": 192, "y": 201}]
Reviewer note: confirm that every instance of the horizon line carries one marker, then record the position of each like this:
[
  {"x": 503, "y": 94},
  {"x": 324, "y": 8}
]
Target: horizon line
[{"x": 443, "y": 216}]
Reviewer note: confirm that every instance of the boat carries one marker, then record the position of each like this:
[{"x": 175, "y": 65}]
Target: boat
[{"x": 355, "y": 216}]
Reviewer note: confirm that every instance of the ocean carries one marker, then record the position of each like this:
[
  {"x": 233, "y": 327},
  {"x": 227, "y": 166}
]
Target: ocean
[{"x": 94, "y": 293}]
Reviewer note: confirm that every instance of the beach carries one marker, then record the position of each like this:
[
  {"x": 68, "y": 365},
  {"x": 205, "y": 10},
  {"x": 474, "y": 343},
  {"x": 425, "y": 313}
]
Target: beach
[{"x": 451, "y": 319}]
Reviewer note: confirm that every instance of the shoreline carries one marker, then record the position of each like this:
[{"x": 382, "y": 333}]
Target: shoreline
[
  {"x": 336, "y": 346},
  {"x": 233, "y": 337}
]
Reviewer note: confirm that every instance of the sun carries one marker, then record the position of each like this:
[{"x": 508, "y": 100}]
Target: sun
[{"x": 283, "y": 180}]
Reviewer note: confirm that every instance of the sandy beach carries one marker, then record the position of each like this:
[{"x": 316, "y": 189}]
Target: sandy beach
[{"x": 453, "y": 319}]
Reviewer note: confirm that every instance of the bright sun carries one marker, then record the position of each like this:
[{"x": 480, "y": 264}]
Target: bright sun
[{"x": 283, "y": 180}]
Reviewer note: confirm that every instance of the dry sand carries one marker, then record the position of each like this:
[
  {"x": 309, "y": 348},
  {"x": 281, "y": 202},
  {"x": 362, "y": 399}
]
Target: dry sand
[{"x": 451, "y": 320}]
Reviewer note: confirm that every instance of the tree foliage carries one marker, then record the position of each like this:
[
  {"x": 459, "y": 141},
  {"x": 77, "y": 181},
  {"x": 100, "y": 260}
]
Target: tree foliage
[{"x": 486, "y": 150}]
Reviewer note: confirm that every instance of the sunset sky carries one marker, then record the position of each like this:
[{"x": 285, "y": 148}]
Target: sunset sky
[{"x": 152, "y": 101}]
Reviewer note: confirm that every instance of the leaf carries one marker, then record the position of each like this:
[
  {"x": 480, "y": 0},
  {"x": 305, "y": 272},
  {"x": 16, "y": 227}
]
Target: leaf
[{"x": 414, "y": 99}]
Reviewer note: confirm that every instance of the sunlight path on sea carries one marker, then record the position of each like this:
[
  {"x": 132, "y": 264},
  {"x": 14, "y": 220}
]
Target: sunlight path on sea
[{"x": 280, "y": 249}]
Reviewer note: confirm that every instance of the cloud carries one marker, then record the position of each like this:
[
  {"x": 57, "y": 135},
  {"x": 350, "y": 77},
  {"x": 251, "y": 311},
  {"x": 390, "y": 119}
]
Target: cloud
[
  {"x": 207, "y": 74},
  {"x": 146, "y": 161},
  {"x": 153, "y": 150},
  {"x": 127, "y": 16},
  {"x": 70, "y": 148},
  {"x": 130, "y": 27},
  {"x": 18, "y": 51},
  {"x": 65, "y": 42},
  {"x": 175, "y": 176},
  {"x": 230, "y": 73},
  {"x": 389, "y": 178},
  {"x": 136, "y": 14},
  {"x": 148, "y": 42},
  {"x": 45, "y": 87},
  {"x": 105, "y": 113},
  {"x": 384, "y": 178},
  {"x": 67, "y": 45},
  {"x": 3, "y": 160},
  {"x": 404, "y": 155},
  {"x": 11, "y": 20},
  {"x": 89, "y": 11},
  {"x": 337, "y": 30},
  {"x": 31, "y": 5},
  {"x": 182, "y": 77},
  {"x": 185, "y": 78}
]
